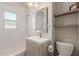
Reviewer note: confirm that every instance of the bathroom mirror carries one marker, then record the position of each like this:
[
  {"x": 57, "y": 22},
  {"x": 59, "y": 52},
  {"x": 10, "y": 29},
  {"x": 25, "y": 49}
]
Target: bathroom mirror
[{"x": 42, "y": 20}]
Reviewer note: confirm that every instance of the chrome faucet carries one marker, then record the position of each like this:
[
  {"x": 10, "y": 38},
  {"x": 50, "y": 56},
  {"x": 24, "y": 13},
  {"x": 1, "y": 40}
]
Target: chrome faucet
[{"x": 39, "y": 33}]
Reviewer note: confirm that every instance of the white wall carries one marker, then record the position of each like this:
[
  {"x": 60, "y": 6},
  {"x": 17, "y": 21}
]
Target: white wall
[
  {"x": 12, "y": 37},
  {"x": 31, "y": 20}
]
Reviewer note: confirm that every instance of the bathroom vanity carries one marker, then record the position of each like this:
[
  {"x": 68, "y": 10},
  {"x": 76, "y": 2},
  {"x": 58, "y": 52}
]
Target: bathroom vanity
[{"x": 36, "y": 46}]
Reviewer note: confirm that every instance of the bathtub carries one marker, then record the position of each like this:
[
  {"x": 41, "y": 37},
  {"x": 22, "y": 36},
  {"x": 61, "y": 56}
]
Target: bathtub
[{"x": 15, "y": 51}]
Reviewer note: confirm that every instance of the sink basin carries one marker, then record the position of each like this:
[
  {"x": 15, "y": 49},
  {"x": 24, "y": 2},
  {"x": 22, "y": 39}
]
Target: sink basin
[
  {"x": 32, "y": 37},
  {"x": 40, "y": 40},
  {"x": 37, "y": 39}
]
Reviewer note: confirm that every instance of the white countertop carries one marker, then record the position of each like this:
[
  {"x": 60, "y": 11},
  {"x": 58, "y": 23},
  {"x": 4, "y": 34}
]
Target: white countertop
[{"x": 38, "y": 39}]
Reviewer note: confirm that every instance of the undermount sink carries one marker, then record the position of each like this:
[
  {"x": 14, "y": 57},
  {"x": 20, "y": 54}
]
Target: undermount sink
[
  {"x": 38, "y": 39},
  {"x": 33, "y": 37}
]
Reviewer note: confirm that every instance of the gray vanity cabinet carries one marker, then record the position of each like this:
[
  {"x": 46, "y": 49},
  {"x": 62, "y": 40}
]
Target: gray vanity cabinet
[{"x": 34, "y": 48}]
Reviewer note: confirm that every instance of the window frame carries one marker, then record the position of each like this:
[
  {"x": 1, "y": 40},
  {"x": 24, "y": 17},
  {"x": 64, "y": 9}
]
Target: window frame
[{"x": 9, "y": 19}]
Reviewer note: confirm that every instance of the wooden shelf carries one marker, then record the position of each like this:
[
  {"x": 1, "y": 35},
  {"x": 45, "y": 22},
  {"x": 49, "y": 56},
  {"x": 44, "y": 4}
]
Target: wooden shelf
[
  {"x": 67, "y": 13},
  {"x": 58, "y": 26}
]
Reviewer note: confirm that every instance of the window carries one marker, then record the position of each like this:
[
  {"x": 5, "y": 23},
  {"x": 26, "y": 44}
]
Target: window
[{"x": 10, "y": 20}]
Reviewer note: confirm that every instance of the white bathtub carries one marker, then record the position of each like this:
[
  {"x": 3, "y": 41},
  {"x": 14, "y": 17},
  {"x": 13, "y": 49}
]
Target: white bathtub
[
  {"x": 15, "y": 51},
  {"x": 20, "y": 53}
]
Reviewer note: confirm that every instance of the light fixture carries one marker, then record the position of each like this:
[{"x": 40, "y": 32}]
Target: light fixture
[
  {"x": 36, "y": 5},
  {"x": 32, "y": 4}
]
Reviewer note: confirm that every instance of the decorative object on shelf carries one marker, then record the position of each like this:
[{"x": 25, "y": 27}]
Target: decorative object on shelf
[{"x": 74, "y": 6}]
